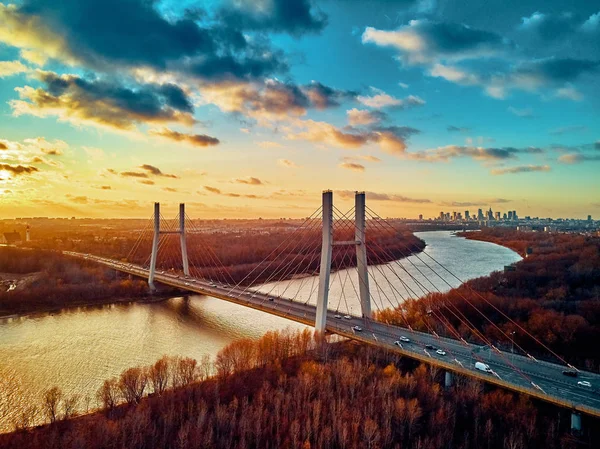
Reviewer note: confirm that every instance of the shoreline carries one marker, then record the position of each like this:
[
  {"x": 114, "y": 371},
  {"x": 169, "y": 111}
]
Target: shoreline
[{"x": 101, "y": 302}]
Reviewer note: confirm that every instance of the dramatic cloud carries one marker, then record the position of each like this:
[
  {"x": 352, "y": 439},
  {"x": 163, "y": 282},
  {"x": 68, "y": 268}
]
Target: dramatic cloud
[
  {"x": 103, "y": 103},
  {"x": 272, "y": 98},
  {"x": 424, "y": 42},
  {"x": 295, "y": 17},
  {"x": 361, "y": 117},
  {"x": 391, "y": 139},
  {"x": 521, "y": 169},
  {"x": 323, "y": 97},
  {"x": 156, "y": 171},
  {"x": 352, "y": 166},
  {"x": 18, "y": 170},
  {"x": 249, "y": 181},
  {"x": 9, "y": 68},
  {"x": 373, "y": 196},
  {"x": 198, "y": 140},
  {"x": 3, "y": 146},
  {"x": 380, "y": 100},
  {"x": 93, "y": 34},
  {"x": 212, "y": 189}
]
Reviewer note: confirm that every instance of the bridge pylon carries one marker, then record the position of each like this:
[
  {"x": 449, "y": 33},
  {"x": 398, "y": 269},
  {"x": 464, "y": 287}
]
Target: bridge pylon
[
  {"x": 326, "y": 253},
  {"x": 156, "y": 238}
]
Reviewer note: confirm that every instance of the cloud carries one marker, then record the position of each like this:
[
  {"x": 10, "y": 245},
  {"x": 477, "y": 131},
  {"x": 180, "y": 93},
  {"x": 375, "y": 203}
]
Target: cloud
[
  {"x": 361, "y": 117},
  {"x": 133, "y": 174},
  {"x": 103, "y": 103},
  {"x": 368, "y": 158},
  {"x": 526, "y": 112},
  {"x": 576, "y": 158},
  {"x": 568, "y": 129},
  {"x": 9, "y": 68},
  {"x": 18, "y": 170},
  {"x": 548, "y": 27},
  {"x": 91, "y": 34},
  {"x": 95, "y": 154},
  {"x": 391, "y": 139},
  {"x": 521, "y": 169},
  {"x": 295, "y": 17},
  {"x": 3, "y": 146},
  {"x": 352, "y": 166},
  {"x": 170, "y": 189},
  {"x": 147, "y": 182},
  {"x": 249, "y": 181},
  {"x": 374, "y": 196},
  {"x": 444, "y": 154},
  {"x": 287, "y": 163},
  {"x": 212, "y": 189},
  {"x": 475, "y": 203},
  {"x": 457, "y": 129},
  {"x": 324, "y": 97},
  {"x": 77, "y": 199},
  {"x": 197, "y": 140},
  {"x": 380, "y": 100},
  {"x": 103, "y": 187},
  {"x": 157, "y": 171},
  {"x": 424, "y": 42},
  {"x": 231, "y": 195}
]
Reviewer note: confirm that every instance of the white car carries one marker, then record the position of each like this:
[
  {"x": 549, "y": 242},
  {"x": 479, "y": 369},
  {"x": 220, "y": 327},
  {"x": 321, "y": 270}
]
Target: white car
[
  {"x": 404, "y": 339},
  {"x": 347, "y": 317},
  {"x": 338, "y": 317},
  {"x": 440, "y": 352},
  {"x": 584, "y": 383},
  {"x": 357, "y": 328}
]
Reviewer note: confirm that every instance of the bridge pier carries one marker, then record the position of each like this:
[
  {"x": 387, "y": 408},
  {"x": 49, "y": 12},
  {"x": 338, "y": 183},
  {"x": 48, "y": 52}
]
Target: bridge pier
[
  {"x": 361, "y": 254},
  {"x": 448, "y": 379},
  {"x": 575, "y": 422},
  {"x": 154, "y": 247},
  {"x": 325, "y": 269},
  {"x": 184, "y": 255}
]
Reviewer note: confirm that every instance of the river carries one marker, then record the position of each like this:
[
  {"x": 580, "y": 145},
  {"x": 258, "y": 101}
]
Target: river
[{"x": 77, "y": 349}]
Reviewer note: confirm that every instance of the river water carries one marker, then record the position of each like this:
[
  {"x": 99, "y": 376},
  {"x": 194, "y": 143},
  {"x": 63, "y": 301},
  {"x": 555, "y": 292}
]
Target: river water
[{"x": 77, "y": 349}]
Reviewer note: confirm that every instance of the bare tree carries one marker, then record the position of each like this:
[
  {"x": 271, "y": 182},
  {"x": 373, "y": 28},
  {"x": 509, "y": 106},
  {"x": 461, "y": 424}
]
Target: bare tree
[
  {"x": 132, "y": 384},
  {"x": 51, "y": 403},
  {"x": 108, "y": 394},
  {"x": 69, "y": 406},
  {"x": 158, "y": 375}
]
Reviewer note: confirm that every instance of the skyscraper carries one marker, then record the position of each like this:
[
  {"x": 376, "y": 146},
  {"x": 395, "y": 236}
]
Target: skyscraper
[
  {"x": 467, "y": 215},
  {"x": 480, "y": 214}
]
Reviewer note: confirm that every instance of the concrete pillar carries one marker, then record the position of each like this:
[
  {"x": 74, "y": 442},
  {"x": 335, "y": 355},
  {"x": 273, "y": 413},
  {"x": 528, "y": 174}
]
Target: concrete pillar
[
  {"x": 154, "y": 246},
  {"x": 184, "y": 254},
  {"x": 448, "y": 379},
  {"x": 325, "y": 269},
  {"x": 575, "y": 422},
  {"x": 361, "y": 254}
]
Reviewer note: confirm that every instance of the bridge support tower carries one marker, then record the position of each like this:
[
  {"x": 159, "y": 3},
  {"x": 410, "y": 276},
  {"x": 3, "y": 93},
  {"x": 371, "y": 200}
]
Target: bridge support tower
[
  {"x": 326, "y": 252},
  {"x": 156, "y": 238}
]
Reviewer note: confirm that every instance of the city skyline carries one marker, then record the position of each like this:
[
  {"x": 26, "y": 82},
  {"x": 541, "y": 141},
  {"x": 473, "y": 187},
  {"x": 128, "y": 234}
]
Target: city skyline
[{"x": 247, "y": 110}]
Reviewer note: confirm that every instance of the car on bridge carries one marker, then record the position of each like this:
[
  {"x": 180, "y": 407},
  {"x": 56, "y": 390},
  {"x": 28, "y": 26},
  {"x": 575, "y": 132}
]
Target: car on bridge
[
  {"x": 584, "y": 383},
  {"x": 338, "y": 317},
  {"x": 430, "y": 347},
  {"x": 347, "y": 317},
  {"x": 404, "y": 339},
  {"x": 357, "y": 329},
  {"x": 483, "y": 367},
  {"x": 570, "y": 373},
  {"x": 440, "y": 352}
]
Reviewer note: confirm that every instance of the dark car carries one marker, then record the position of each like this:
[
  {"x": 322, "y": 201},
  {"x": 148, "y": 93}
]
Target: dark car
[
  {"x": 570, "y": 373},
  {"x": 429, "y": 346}
]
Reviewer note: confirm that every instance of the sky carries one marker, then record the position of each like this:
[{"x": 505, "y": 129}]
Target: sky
[{"x": 251, "y": 108}]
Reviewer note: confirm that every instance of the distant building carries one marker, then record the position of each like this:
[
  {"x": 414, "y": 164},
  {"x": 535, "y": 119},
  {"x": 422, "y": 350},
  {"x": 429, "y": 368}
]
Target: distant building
[
  {"x": 11, "y": 238},
  {"x": 442, "y": 215},
  {"x": 480, "y": 214},
  {"x": 589, "y": 218},
  {"x": 490, "y": 214},
  {"x": 467, "y": 215},
  {"x": 515, "y": 215},
  {"x": 498, "y": 217},
  {"x": 510, "y": 215},
  {"x": 420, "y": 217}
]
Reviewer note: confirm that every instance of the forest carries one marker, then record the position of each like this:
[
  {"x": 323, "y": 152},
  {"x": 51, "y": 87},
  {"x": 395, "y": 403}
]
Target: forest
[
  {"x": 551, "y": 296},
  {"x": 288, "y": 390},
  {"x": 58, "y": 281}
]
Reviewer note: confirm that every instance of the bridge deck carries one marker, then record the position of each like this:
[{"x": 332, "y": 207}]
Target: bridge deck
[{"x": 552, "y": 385}]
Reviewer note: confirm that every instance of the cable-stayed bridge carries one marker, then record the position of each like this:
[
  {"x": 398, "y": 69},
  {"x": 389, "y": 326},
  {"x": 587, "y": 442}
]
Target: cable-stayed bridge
[{"x": 359, "y": 273}]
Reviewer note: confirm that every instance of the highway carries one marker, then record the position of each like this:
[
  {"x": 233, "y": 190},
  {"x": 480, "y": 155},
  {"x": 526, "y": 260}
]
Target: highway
[{"x": 515, "y": 372}]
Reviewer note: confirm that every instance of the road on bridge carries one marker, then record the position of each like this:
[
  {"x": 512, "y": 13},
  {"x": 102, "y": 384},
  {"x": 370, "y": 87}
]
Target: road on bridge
[{"x": 536, "y": 378}]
